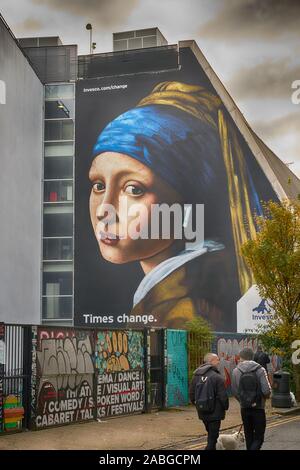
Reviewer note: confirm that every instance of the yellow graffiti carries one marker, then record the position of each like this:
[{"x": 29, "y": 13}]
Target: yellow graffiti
[{"x": 117, "y": 349}]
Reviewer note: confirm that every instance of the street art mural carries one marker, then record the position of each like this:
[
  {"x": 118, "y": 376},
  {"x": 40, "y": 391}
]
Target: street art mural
[
  {"x": 13, "y": 412},
  {"x": 177, "y": 368},
  {"x": 64, "y": 392},
  {"x": 228, "y": 350},
  {"x": 160, "y": 141},
  {"x": 119, "y": 363}
]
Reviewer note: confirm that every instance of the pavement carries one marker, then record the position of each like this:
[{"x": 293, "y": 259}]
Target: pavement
[{"x": 157, "y": 430}]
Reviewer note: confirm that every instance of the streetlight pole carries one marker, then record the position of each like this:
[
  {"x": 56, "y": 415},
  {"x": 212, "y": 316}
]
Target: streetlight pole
[{"x": 90, "y": 29}]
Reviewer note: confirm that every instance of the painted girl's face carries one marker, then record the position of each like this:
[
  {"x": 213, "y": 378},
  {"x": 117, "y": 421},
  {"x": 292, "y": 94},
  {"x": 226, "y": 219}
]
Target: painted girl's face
[{"x": 121, "y": 181}]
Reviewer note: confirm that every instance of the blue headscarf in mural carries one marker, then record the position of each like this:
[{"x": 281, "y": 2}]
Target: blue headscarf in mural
[{"x": 180, "y": 148}]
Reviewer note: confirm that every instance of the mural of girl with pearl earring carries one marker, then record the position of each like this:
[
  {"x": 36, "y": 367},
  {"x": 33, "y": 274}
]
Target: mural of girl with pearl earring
[{"x": 177, "y": 145}]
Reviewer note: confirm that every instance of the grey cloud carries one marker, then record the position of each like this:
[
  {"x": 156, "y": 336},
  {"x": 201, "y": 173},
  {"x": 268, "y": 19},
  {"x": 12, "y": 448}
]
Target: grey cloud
[
  {"x": 266, "y": 19},
  {"x": 30, "y": 24},
  {"x": 105, "y": 13},
  {"x": 269, "y": 79},
  {"x": 287, "y": 124}
]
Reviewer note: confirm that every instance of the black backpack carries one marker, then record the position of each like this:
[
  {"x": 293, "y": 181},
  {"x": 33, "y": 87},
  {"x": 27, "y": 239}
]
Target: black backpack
[
  {"x": 249, "y": 391},
  {"x": 205, "y": 397}
]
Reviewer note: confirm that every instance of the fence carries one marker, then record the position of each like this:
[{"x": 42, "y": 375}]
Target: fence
[
  {"x": 197, "y": 348},
  {"x": 58, "y": 375}
]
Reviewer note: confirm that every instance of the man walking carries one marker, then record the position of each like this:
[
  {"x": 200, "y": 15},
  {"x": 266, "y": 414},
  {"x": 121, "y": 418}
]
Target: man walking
[
  {"x": 261, "y": 358},
  {"x": 208, "y": 394},
  {"x": 250, "y": 385}
]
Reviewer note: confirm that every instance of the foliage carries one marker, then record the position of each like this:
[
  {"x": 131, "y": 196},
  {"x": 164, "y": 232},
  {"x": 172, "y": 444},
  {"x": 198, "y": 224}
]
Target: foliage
[
  {"x": 274, "y": 258},
  {"x": 199, "y": 343}
]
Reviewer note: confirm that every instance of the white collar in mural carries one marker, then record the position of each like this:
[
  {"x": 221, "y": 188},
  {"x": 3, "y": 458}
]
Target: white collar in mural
[{"x": 169, "y": 265}]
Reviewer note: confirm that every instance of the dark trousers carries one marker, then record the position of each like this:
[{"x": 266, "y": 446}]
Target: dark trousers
[
  {"x": 213, "y": 429},
  {"x": 254, "y": 421}
]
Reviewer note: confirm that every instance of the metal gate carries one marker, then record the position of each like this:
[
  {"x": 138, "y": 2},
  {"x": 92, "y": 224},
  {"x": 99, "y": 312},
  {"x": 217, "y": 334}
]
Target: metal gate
[
  {"x": 157, "y": 368},
  {"x": 15, "y": 377}
]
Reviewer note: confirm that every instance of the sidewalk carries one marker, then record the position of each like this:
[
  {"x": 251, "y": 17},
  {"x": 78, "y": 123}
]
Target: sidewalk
[{"x": 146, "y": 431}]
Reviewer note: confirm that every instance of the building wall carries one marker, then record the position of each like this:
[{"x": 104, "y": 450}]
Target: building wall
[{"x": 21, "y": 112}]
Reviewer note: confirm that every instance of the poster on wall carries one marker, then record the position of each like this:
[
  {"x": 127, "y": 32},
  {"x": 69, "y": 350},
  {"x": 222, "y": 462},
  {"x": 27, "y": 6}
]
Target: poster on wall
[
  {"x": 119, "y": 365},
  {"x": 166, "y": 192},
  {"x": 64, "y": 392}
]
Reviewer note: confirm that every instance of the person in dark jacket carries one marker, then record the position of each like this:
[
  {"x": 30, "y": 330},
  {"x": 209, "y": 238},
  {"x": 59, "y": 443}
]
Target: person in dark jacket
[
  {"x": 211, "y": 420},
  {"x": 254, "y": 418},
  {"x": 261, "y": 358}
]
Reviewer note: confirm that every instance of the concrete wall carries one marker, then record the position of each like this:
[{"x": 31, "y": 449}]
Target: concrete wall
[{"x": 21, "y": 127}]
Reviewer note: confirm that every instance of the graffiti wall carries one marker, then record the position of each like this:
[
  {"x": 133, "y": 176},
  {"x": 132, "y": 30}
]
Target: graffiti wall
[
  {"x": 228, "y": 348},
  {"x": 65, "y": 371},
  {"x": 119, "y": 363},
  {"x": 177, "y": 368}
]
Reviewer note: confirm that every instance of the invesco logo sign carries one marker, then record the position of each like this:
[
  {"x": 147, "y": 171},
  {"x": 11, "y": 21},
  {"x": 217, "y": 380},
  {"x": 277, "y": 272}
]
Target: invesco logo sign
[{"x": 2, "y": 92}]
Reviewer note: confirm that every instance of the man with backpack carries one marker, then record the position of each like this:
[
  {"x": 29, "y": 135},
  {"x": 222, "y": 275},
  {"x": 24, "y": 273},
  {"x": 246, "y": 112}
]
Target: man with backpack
[
  {"x": 208, "y": 394},
  {"x": 261, "y": 358},
  {"x": 250, "y": 385}
]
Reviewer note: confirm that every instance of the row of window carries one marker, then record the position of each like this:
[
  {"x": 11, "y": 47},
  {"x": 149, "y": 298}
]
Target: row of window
[{"x": 57, "y": 289}]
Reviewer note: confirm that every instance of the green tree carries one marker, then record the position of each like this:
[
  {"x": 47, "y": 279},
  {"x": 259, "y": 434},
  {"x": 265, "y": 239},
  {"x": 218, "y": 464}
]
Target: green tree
[
  {"x": 274, "y": 258},
  {"x": 200, "y": 337}
]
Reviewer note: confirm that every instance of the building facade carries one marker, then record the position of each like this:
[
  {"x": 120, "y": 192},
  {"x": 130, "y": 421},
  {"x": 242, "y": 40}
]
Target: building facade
[
  {"x": 63, "y": 101},
  {"x": 21, "y": 136}
]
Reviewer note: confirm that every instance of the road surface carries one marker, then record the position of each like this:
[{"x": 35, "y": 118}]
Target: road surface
[{"x": 281, "y": 434}]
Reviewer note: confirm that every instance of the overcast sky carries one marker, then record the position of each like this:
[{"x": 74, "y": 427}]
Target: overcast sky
[{"x": 253, "y": 46}]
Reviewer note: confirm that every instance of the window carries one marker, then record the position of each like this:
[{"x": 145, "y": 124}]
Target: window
[
  {"x": 135, "y": 43},
  {"x": 58, "y": 168},
  {"x": 58, "y": 191},
  {"x": 58, "y": 225},
  {"x": 59, "y": 92},
  {"x": 59, "y": 109},
  {"x": 120, "y": 45},
  {"x": 150, "y": 41},
  {"x": 57, "y": 249},
  {"x": 57, "y": 283},
  {"x": 57, "y": 307},
  {"x": 59, "y": 130},
  {"x": 61, "y": 149}
]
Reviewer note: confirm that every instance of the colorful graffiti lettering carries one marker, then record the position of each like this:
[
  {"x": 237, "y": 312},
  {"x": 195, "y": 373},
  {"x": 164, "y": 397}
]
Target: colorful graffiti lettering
[
  {"x": 65, "y": 373},
  {"x": 56, "y": 334},
  {"x": 117, "y": 351},
  {"x": 228, "y": 351},
  {"x": 119, "y": 360},
  {"x": 65, "y": 361}
]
